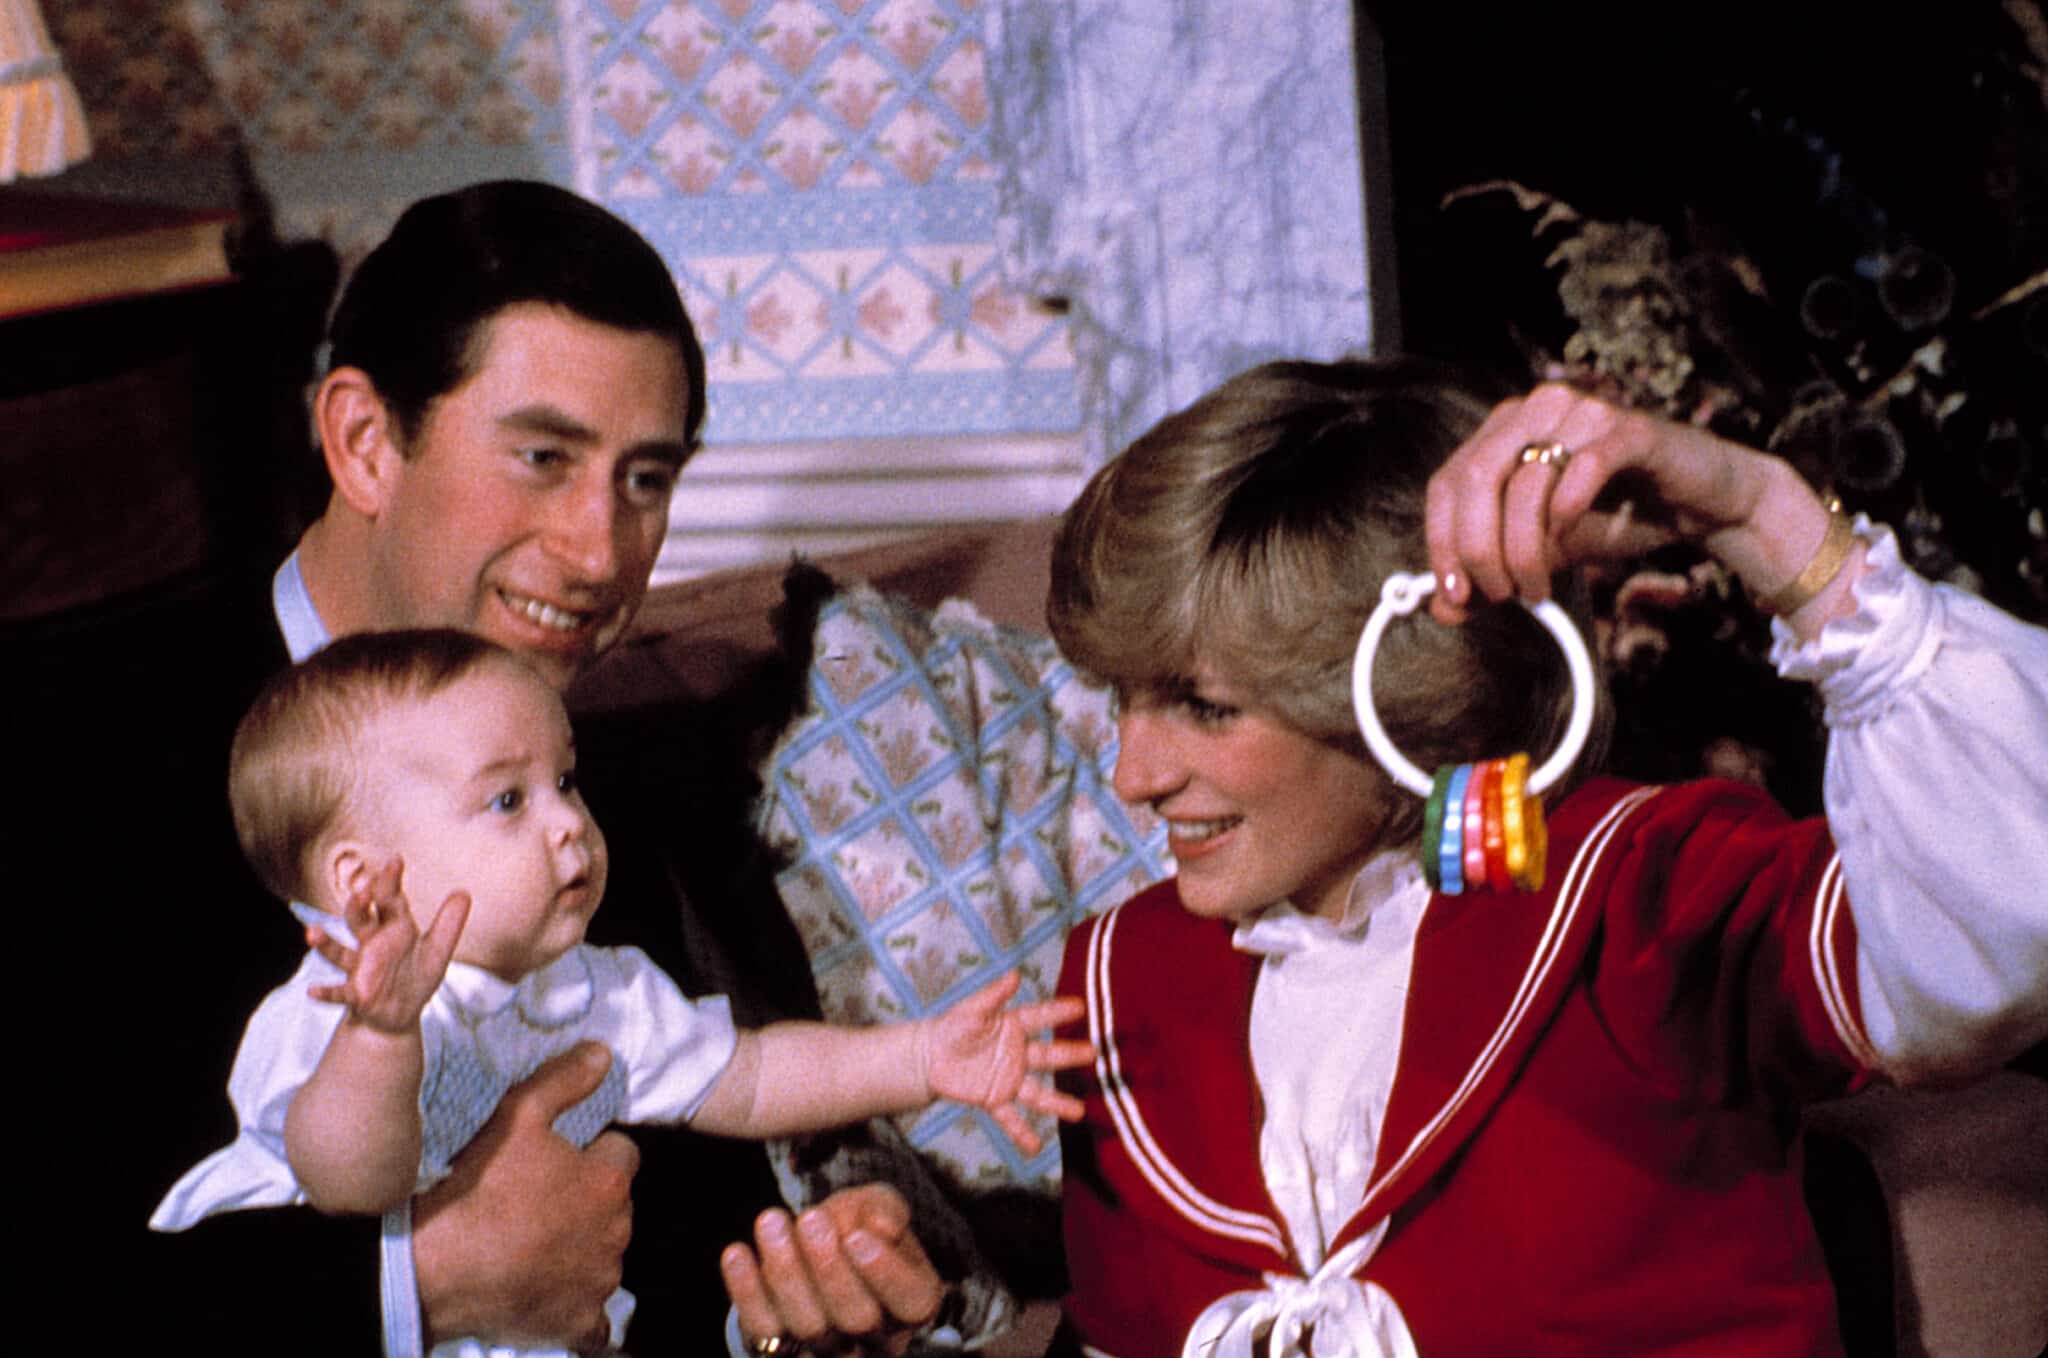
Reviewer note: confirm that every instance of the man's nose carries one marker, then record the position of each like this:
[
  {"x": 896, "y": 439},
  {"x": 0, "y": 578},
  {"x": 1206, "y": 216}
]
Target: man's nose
[
  {"x": 1146, "y": 765},
  {"x": 584, "y": 529}
]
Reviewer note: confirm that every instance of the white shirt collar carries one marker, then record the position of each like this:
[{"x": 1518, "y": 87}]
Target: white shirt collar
[
  {"x": 304, "y": 633},
  {"x": 1281, "y": 929}
]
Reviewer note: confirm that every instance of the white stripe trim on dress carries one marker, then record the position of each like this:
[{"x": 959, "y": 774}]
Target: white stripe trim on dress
[
  {"x": 1830, "y": 899},
  {"x": 1159, "y": 1170},
  {"x": 1569, "y": 897}
]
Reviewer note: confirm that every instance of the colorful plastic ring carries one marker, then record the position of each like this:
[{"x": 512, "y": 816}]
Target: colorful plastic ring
[
  {"x": 1475, "y": 829},
  {"x": 1496, "y": 829},
  {"x": 1450, "y": 849},
  {"x": 1514, "y": 825},
  {"x": 1539, "y": 845},
  {"x": 1433, "y": 827}
]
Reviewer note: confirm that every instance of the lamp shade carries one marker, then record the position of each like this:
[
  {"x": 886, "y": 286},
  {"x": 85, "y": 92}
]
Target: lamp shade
[{"x": 42, "y": 124}]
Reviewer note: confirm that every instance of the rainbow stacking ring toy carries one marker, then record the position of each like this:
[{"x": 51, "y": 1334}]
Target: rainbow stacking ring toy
[{"x": 1482, "y": 824}]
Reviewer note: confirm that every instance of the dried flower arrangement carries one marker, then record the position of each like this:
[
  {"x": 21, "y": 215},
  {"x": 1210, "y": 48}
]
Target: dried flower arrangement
[{"x": 1911, "y": 382}]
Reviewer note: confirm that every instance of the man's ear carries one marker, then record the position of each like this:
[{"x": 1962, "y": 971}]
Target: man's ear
[{"x": 358, "y": 439}]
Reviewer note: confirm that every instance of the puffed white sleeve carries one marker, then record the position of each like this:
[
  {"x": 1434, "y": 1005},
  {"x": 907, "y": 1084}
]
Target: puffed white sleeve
[
  {"x": 675, "y": 1047},
  {"x": 1936, "y": 790},
  {"x": 280, "y": 1049}
]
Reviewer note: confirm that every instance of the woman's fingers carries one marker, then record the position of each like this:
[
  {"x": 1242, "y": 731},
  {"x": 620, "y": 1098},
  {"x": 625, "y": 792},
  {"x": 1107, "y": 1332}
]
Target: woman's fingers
[{"x": 1514, "y": 503}]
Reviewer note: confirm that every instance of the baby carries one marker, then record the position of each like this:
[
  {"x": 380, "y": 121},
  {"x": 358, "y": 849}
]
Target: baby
[{"x": 441, "y": 756}]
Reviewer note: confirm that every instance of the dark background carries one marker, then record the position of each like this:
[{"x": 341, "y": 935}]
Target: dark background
[
  {"x": 1722, "y": 117},
  {"x": 1890, "y": 161}
]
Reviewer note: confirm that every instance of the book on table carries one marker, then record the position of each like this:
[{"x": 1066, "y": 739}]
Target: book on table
[{"x": 61, "y": 250}]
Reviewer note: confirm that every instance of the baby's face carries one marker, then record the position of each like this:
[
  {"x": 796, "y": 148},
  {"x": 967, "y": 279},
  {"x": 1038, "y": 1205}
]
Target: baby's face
[{"x": 475, "y": 787}]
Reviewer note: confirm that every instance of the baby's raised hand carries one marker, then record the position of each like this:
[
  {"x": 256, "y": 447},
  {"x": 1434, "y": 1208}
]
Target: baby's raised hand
[
  {"x": 979, "y": 1053},
  {"x": 394, "y": 969}
]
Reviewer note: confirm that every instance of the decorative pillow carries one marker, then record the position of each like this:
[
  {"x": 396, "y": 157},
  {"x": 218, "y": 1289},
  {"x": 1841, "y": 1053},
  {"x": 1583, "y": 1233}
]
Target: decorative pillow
[{"x": 944, "y": 809}]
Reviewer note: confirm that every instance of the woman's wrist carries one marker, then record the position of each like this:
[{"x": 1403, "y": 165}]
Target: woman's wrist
[
  {"x": 1822, "y": 567},
  {"x": 1794, "y": 550}
]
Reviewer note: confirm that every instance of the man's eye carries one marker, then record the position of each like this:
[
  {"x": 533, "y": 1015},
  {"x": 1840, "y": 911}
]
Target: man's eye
[
  {"x": 546, "y": 459},
  {"x": 650, "y": 482},
  {"x": 509, "y": 801}
]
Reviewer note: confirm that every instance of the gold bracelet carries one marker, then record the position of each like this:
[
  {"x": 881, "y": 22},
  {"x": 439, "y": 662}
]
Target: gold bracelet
[{"x": 1820, "y": 569}]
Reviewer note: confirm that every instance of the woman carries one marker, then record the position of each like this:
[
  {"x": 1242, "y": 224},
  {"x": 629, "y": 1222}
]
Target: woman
[{"x": 1334, "y": 1112}]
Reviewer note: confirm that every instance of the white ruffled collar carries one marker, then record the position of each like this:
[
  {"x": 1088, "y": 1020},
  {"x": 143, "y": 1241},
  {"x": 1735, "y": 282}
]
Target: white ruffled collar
[{"x": 1282, "y": 929}]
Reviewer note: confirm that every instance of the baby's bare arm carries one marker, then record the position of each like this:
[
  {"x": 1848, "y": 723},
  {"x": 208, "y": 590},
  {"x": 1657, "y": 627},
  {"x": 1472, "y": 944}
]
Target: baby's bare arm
[
  {"x": 793, "y": 1077},
  {"x": 800, "y": 1077},
  {"x": 353, "y": 1131}
]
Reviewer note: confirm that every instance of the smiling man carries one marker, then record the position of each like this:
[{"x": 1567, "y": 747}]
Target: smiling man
[
  {"x": 513, "y": 389},
  {"x": 526, "y": 500}
]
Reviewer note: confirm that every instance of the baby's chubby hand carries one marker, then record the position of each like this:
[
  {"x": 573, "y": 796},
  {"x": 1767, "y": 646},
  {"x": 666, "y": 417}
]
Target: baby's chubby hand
[
  {"x": 393, "y": 970},
  {"x": 978, "y": 1053}
]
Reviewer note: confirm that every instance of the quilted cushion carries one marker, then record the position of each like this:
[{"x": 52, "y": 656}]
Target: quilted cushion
[{"x": 944, "y": 809}]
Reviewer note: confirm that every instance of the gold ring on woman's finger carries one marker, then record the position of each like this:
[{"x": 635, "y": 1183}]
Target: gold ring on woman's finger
[
  {"x": 775, "y": 1346},
  {"x": 1548, "y": 453}
]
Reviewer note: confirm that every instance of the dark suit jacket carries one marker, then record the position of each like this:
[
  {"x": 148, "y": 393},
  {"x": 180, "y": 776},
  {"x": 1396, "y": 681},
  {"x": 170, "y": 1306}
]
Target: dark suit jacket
[{"x": 143, "y": 942}]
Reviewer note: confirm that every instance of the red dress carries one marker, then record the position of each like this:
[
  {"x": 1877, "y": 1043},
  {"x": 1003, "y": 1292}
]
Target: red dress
[{"x": 1587, "y": 1148}]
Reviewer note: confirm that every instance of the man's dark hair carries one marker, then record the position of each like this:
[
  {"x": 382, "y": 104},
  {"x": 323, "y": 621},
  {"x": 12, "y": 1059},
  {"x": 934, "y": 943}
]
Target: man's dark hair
[{"x": 414, "y": 313}]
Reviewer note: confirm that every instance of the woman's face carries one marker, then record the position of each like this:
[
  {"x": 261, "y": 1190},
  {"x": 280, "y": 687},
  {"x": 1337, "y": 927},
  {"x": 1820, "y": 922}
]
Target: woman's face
[{"x": 1256, "y": 812}]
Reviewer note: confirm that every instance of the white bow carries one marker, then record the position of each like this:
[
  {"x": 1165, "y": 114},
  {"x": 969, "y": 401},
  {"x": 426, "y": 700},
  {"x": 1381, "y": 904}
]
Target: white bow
[{"x": 1349, "y": 1319}]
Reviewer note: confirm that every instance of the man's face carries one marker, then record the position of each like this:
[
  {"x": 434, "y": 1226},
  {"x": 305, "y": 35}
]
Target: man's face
[{"x": 535, "y": 495}]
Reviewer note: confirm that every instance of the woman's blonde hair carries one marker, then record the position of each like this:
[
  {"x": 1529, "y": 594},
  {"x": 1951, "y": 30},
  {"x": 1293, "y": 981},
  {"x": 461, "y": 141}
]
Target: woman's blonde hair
[{"x": 1251, "y": 533}]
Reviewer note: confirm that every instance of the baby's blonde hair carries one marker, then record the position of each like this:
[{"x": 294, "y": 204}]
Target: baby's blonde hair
[{"x": 297, "y": 755}]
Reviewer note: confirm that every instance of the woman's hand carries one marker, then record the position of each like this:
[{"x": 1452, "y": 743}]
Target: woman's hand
[
  {"x": 1615, "y": 484},
  {"x": 847, "y": 1269}
]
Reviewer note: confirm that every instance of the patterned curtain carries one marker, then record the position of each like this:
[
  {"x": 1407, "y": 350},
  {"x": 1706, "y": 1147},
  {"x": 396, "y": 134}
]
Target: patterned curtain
[
  {"x": 1187, "y": 179},
  {"x": 42, "y": 126}
]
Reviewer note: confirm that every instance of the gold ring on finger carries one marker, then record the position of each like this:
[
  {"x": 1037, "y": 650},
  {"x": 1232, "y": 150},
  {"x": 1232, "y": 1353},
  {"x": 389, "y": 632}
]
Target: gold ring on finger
[
  {"x": 774, "y": 1346},
  {"x": 1548, "y": 453}
]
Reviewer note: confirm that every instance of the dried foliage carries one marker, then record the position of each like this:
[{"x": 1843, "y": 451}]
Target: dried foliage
[{"x": 1909, "y": 378}]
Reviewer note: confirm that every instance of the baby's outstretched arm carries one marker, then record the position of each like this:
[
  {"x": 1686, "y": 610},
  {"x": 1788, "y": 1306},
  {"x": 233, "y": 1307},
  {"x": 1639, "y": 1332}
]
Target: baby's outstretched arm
[
  {"x": 799, "y": 1077},
  {"x": 353, "y": 1132}
]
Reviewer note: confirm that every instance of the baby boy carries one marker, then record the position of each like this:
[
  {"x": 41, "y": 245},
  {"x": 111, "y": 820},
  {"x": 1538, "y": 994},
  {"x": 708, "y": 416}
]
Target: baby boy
[{"x": 439, "y": 756}]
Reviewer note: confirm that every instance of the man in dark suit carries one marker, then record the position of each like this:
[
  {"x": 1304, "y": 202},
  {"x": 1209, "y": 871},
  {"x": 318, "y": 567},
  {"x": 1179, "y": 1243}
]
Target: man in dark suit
[{"x": 514, "y": 387}]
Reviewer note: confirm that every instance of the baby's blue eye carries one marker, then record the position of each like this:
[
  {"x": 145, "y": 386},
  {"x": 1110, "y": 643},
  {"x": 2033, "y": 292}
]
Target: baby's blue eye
[{"x": 509, "y": 801}]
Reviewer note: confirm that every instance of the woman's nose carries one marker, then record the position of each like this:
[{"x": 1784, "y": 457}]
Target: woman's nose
[{"x": 1146, "y": 768}]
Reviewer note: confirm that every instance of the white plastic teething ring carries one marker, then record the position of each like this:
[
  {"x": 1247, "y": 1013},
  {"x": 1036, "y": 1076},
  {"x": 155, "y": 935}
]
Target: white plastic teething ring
[{"x": 1400, "y": 596}]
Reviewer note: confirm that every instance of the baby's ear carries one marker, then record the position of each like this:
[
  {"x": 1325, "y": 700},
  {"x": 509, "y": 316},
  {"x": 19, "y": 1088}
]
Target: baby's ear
[{"x": 346, "y": 867}]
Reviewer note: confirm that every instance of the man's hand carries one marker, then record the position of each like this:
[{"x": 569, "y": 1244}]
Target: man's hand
[
  {"x": 393, "y": 970},
  {"x": 849, "y": 1268},
  {"x": 525, "y": 1238}
]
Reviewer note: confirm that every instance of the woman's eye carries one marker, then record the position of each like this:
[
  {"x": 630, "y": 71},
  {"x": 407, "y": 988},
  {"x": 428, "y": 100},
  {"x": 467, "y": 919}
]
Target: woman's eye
[
  {"x": 1207, "y": 712},
  {"x": 509, "y": 801}
]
